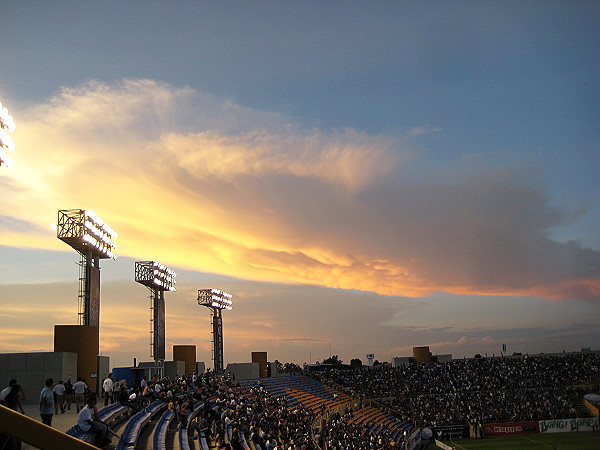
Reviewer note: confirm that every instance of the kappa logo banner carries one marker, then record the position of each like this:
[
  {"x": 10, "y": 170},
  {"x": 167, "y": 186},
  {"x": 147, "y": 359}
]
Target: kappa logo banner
[{"x": 505, "y": 429}]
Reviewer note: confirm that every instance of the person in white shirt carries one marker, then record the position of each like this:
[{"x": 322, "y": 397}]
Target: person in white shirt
[
  {"x": 6, "y": 390},
  {"x": 108, "y": 386},
  {"x": 79, "y": 389},
  {"x": 85, "y": 421},
  {"x": 59, "y": 390}
]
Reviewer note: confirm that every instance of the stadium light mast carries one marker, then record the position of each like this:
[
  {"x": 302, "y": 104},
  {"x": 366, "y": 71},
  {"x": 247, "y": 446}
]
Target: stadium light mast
[
  {"x": 93, "y": 239},
  {"x": 158, "y": 278},
  {"x": 216, "y": 301},
  {"x": 7, "y": 124}
]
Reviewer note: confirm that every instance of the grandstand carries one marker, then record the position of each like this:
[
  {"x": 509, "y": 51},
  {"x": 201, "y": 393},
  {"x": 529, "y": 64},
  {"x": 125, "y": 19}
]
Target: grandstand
[{"x": 364, "y": 408}]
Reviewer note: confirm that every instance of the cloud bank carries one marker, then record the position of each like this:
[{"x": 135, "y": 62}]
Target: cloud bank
[{"x": 199, "y": 182}]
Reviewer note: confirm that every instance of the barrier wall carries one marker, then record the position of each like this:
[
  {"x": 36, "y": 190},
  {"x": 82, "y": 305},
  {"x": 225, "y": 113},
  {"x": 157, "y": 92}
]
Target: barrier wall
[
  {"x": 37, "y": 434},
  {"x": 542, "y": 426},
  {"x": 450, "y": 431},
  {"x": 507, "y": 429},
  {"x": 569, "y": 425}
]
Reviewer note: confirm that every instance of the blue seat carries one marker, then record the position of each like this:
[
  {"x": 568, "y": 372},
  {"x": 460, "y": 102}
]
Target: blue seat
[
  {"x": 155, "y": 406},
  {"x": 132, "y": 430},
  {"x": 184, "y": 443},
  {"x": 78, "y": 433},
  {"x": 203, "y": 444},
  {"x": 243, "y": 441},
  {"x": 112, "y": 413},
  {"x": 160, "y": 432}
]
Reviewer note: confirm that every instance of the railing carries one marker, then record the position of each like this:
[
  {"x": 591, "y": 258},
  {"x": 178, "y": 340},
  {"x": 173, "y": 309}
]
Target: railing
[{"x": 37, "y": 434}]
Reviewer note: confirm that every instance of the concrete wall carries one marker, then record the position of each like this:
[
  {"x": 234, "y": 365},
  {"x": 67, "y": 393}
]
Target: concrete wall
[
  {"x": 421, "y": 354},
  {"x": 103, "y": 371},
  {"x": 261, "y": 359},
  {"x": 243, "y": 371},
  {"x": 83, "y": 340},
  {"x": 32, "y": 369},
  {"x": 401, "y": 361},
  {"x": 174, "y": 369},
  {"x": 185, "y": 353}
]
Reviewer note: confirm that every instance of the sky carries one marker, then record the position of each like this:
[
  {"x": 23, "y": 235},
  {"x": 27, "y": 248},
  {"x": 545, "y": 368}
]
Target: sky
[{"x": 362, "y": 177}]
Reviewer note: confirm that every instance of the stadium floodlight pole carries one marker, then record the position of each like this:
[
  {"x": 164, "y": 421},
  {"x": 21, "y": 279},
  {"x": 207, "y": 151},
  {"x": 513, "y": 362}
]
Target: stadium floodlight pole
[
  {"x": 216, "y": 300},
  {"x": 158, "y": 278},
  {"x": 93, "y": 239},
  {"x": 7, "y": 124}
]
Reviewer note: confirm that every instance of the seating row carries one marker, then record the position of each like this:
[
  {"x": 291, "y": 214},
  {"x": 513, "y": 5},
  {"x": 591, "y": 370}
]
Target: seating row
[
  {"x": 135, "y": 425},
  {"x": 109, "y": 415},
  {"x": 184, "y": 437}
]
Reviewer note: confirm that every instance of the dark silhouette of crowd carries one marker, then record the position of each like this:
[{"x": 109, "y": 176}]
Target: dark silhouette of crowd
[
  {"x": 230, "y": 413},
  {"x": 494, "y": 389},
  {"x": 339, "y": 433}
]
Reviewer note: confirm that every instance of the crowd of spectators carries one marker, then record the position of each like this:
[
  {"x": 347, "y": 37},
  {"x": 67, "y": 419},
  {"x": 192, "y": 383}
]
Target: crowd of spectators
[
  {"x": 340, "y": 433},
  {"x": 488, "y": 389},
  {"x": 229, "y": 412},
  {"x": 446, "y": 393}
]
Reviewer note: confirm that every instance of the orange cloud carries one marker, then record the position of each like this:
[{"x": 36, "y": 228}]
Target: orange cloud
[{"x": 201, "y": 183}]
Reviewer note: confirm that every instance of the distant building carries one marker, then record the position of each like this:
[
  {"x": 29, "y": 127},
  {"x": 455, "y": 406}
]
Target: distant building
[
  {"x": 420, "y": 355},
  {"x": 243, "y": 371},
  {"x": 261, "y": 359},
  {"x": 401, "y": 361}
]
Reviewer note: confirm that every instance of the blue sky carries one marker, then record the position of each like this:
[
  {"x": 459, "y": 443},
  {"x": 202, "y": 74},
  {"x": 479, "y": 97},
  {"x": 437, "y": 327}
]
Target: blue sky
[{"x": 396, "y": 153}]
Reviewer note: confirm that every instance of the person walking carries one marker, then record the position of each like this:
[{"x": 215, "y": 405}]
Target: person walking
[
  {"x": 79, "y": 389},
  {"x": 12, "y": 400},
  {"x": 47, "y": 402},
  {"x": 59, "y": 390},
  {"x": 69, "y": 397},
  {"x": 108, "y": 387}
]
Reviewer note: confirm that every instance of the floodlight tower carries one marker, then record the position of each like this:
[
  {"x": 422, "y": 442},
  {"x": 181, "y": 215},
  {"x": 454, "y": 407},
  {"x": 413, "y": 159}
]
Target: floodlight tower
[
  {"x": 216, "y": 301},
  {"x": 7, "y": 124},
  {"x": 93, "y": 240},
  {"x": 158, "y": 278}
]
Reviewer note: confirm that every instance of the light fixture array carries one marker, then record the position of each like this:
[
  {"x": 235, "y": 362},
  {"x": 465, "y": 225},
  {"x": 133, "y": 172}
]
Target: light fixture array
[
  {"x": 7, "y": 124},
  {"x": 215, "y": 298}
]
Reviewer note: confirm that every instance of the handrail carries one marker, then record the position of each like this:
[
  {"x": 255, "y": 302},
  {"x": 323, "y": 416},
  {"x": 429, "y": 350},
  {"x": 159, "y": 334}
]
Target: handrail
[{"x": 37, "y": 434}]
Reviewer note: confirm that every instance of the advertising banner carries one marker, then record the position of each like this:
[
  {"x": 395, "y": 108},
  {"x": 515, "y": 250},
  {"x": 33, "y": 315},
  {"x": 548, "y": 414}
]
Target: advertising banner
[
  {"x": 568, "y": 425},
  {"x": 93, "y": 317},
  {"x": 450, "y": 431},
  {"x": 506, "y": 429},
  {"x": 159, "y": 326}
]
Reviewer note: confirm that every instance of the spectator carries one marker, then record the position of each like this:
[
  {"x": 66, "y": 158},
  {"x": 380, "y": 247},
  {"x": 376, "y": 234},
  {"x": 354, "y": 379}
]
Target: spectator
[
  {"x": 108, "y": 388},
  {"x": 85, "y": 421},
  {"x": 6, "y": 390},
  {"x": 79, "y": 389},
  {"x": 47, "y": 402},
  {"x": 69, "y": 397},
  {"x": 12, "y": 400},
  {"x": 59, "y": 391}
]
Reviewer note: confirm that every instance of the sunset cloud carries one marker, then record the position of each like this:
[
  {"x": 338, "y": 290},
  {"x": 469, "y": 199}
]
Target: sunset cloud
[{"x": 202, "y": 183}]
